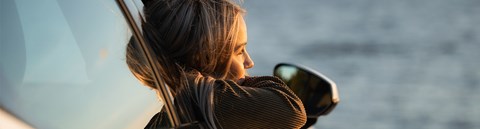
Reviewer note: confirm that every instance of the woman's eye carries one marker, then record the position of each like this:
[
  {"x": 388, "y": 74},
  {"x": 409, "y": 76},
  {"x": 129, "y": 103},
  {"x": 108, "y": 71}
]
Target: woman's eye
[{"x": 241, "y": 52}]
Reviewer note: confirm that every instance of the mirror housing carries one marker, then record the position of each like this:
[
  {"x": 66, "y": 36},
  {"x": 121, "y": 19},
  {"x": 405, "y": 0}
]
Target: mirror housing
[{"x": 318, "y": 93}]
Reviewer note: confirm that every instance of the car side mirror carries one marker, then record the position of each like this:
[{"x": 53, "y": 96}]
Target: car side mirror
[{"x": 318, "y": 93}]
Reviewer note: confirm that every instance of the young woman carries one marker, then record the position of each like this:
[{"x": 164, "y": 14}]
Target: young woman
[{"x": 200, "y": 46}]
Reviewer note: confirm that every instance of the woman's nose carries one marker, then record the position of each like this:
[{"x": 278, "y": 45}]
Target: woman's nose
[{"x": 248, "y": 63}]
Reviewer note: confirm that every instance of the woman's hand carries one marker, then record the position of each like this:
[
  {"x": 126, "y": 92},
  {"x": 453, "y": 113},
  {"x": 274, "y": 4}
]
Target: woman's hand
[{"x": 241, "y": 80}]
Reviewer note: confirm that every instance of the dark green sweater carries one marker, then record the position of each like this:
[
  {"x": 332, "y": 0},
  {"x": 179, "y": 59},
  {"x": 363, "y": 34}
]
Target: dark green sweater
[{"x": 260, "y": 102}]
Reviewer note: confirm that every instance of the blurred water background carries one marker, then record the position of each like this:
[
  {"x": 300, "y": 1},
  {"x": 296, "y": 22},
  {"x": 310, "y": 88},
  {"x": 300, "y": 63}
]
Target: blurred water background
[{"x": 409, "y": 64}]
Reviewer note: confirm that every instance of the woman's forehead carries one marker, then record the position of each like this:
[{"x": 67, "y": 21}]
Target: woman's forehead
[{"x": 242, "y": 37}]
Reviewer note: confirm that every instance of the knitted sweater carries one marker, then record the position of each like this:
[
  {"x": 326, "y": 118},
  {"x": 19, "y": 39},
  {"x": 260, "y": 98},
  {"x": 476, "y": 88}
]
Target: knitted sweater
[{"x": 260, "y": 102}]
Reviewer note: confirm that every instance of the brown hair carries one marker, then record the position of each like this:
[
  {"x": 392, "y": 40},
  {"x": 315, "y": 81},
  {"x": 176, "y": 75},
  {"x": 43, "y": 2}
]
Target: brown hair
[{"x": 186, "y": 36}]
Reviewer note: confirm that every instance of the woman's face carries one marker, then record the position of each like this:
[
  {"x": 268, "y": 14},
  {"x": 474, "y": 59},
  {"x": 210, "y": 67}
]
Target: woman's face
[{"x": 241, "y": 61}]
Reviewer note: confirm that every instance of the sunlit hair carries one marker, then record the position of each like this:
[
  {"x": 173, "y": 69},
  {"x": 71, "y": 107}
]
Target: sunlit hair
[{"x": 187, "y": 35}]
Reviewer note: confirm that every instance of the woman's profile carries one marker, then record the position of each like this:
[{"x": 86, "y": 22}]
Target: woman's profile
[{"x": 200, "y": 46}]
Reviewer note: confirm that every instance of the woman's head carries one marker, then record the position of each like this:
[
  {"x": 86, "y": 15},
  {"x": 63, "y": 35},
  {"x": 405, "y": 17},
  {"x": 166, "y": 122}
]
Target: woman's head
[{"x": 186, "y": 35}]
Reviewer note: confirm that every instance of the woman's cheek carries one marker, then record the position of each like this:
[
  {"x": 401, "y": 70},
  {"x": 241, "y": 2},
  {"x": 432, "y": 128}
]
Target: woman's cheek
[{"x": 237, "y": 70}]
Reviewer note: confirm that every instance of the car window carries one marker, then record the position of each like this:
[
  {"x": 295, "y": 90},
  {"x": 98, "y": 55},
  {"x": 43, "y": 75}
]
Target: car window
[{"x": 63, "y": 66}]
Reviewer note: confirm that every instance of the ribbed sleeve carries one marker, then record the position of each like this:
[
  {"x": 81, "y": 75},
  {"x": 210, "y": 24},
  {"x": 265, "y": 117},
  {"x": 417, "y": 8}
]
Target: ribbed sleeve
[{"x": 261, "y": 102}]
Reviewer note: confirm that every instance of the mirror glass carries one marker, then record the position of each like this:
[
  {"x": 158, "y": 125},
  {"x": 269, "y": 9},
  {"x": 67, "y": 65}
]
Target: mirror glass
[{"x": 317, "y": 92}]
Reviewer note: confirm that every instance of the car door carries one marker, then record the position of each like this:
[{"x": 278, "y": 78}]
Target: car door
[{"x": 62, "y": 65}]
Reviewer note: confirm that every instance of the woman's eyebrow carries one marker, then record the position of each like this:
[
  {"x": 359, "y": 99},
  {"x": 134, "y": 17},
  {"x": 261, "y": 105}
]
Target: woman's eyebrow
[{"x": 240, "y": 45}]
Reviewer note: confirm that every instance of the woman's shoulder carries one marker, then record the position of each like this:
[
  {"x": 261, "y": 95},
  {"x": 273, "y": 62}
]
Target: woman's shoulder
[{"x": 159, "y": 120}]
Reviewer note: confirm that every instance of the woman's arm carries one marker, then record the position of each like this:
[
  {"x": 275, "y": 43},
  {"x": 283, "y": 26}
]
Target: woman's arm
[{"x": 260, "y": 102}]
